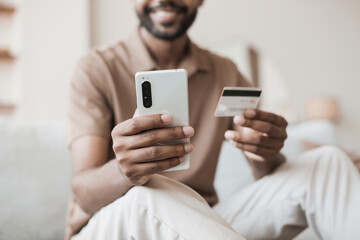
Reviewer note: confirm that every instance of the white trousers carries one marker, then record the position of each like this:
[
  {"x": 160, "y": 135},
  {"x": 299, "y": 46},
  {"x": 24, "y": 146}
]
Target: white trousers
[{"x": 320, "y": 189}]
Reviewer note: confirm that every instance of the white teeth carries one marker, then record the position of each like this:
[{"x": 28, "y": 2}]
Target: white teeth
[{"x": 164, "y": 14}]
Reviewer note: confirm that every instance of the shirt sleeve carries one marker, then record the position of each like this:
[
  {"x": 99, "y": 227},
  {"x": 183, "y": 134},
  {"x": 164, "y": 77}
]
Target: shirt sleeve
[
  {"x": 234, "y": 78},
  {"x": 241, "y": 81},
  {"x": 88, "y": 110}
]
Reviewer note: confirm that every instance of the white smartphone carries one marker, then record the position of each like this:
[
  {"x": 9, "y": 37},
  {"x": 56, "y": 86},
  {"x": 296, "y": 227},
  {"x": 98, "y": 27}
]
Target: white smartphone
[{"x": 165, "y": 92}]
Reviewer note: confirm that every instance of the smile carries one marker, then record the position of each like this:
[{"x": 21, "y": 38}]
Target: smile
[
  {"x": 166, "y": 7},
  {"x": 165, "y": 14}
]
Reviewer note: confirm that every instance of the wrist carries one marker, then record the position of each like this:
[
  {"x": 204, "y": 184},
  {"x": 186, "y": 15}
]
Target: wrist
[
  {"x": 128, "y": 182},
  {"x": 261, "y": 169}
]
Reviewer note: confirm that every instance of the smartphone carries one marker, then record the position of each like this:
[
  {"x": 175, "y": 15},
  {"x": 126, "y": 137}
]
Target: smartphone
[{"x": 165, "y": 92}]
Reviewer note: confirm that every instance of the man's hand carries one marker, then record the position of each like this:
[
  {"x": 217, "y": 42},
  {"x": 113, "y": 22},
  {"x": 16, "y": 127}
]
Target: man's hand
[
  {"x": 138, "y": 156},
  {"x": 260, "y": 135}
]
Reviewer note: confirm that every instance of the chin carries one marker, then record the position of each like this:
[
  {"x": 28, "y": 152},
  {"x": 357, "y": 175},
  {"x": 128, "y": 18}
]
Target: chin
[{"x": 167, "y": 33}]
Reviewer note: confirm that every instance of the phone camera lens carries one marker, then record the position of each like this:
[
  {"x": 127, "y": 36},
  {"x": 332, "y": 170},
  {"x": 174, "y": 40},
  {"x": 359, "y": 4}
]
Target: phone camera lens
[{"x": 146, "y": 94}]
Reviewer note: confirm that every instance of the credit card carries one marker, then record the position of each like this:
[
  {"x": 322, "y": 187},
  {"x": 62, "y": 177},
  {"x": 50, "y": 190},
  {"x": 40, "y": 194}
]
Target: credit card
[{"x": 234, "y": 100}]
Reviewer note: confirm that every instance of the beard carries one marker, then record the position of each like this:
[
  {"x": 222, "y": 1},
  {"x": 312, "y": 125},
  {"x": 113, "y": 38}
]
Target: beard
[{"x": 184, "y": 24}]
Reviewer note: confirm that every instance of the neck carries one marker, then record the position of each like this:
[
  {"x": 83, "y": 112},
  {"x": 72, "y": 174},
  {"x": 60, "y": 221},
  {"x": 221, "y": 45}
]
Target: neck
[{"x": 167, "y": 54}]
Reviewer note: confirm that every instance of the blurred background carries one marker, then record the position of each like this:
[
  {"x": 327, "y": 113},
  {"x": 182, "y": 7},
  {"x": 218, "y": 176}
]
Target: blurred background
[
  {"x": 308, "y": 49},
  {"x": 305, "y": 54}
]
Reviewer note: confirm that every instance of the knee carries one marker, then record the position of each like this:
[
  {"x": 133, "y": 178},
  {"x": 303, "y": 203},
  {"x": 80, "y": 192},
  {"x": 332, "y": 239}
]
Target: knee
[
  {"x": 324, "y": 158},
  {"x": 331, "y": 160},
  {"x": 137, "y": 192},
  {"x": 157, "y": 187},
  {"x": 332, "y": 154},
  {"x": 331, "y": 150},
  {"x": 161, "y": 189}
]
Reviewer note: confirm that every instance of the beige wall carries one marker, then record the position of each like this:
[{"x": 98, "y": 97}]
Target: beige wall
[
  {"x": 314, "y": 44},
  {"x": 110, "y": 20},
  {"x": 55, "y": 34}
]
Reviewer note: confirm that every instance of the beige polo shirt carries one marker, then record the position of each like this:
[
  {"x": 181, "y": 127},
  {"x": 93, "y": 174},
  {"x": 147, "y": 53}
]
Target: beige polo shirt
[{"x": 102, "y": 94}]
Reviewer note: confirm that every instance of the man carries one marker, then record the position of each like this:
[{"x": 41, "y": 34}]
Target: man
[{"x": 120, "y": 189}]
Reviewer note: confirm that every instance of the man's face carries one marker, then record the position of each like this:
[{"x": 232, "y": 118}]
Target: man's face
[{"x": 166, "y": 19}]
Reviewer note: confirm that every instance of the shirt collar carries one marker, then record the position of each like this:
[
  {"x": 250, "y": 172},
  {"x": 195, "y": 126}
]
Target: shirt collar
[{"x": 139, "y": 58}]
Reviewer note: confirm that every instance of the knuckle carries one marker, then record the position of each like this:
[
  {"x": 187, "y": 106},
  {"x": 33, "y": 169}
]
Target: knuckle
[
  {"x": 153, "y": 152},
  {"x": 154, "y": 169},
  {"x": 131, "y": 142},
  {"x": 174, "y": 132},
  {"x": 113, "y": 133},
  {"x": 118, "y": 146},
  {"x": 129, "y": 172},
  {"x": 285, "y": 135},
  {"x": 155, "y": 119},
  {"x": 133, "y": 124},
  {"x": 122, "y": 159},
  {"x": 151, "y": 137},
  {"x": 115, "y": 148},
  {"x": 116, "y": 131}
]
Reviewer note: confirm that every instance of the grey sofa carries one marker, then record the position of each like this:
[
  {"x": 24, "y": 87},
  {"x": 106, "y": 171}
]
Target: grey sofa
[{"x": 34, "y": 180}]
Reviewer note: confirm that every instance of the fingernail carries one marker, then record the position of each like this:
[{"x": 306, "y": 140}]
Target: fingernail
[
  {"x": 239, "y": 120},
  {"x": 250, "y": 113},
  {"x": 182, "y": 159},
  {"x": 166, "y": 118},
  {"x": 229, "y": 135},
  {"x": 188, "y": 131},
  {"x": 188, "y": 147}
]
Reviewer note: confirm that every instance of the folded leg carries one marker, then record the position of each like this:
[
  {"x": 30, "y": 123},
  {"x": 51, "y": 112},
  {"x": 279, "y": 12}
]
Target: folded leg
[
  {"x": 161, "y": 209},
  {"x": 320, "y": 189}
]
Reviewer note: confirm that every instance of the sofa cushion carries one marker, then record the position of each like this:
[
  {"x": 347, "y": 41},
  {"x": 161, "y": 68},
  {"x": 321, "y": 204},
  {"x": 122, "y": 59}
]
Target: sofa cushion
[{"x": 34, "y": 180}]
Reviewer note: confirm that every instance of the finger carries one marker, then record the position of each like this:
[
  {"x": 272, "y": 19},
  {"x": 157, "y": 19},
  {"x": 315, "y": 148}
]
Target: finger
[
  {"x": 160, "y": 166},
  {"x": 139, "y": 124},
  {"x": 254, "y": 138},
  {"x": 255, "y": 149},
  {"x": 145, "y": 169},
  {"x": 155, "y": 153},
  {"x": 262, "y": 126},
  {"x": 152, "y": 137},
  {"x": 257, "y": 114}
]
